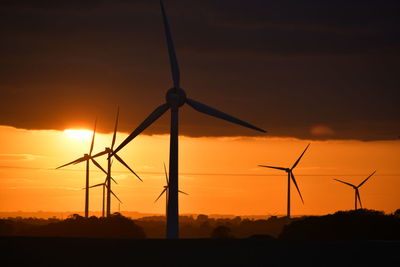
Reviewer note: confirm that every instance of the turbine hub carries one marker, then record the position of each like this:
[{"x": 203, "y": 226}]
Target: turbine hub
[{"x": 176, "y": 97}]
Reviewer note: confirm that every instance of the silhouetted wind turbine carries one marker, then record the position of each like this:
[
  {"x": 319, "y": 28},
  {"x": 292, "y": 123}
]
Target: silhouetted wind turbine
[
  {"x": 104, "y": 185},
  {"x": 103, "y": 195},
  {"x": 357, "y": 193},
  {"x": 87, "y": 158},
  {"x": 166, "y": 187},
  {"x": 176, "y": 98},
  {"x": 109, "y": 150},
  {"x": 290, "y": 176}
]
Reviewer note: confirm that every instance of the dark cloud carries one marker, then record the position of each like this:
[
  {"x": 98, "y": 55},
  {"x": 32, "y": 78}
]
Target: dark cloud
[{"x": 287, "y": 66}]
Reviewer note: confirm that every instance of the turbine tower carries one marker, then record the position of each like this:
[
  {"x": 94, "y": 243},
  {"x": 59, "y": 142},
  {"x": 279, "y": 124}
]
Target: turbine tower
[
  {"x": 109, "y": 151},
  {"x": 87, "y": 158},
  {"x": 166, "y": 187},
  {"x": 290, "y": 177},
  {"x": 176, "y": 98},
  {"x": 356, "y": 191}
]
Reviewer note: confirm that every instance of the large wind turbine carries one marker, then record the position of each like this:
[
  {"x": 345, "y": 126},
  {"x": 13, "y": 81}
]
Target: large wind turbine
[
  {"x": 176, "y": 98},
  {"x": 166, "y": 189},
  {"x": 290, "y": 176},
  {"x": 356, "y": 191},
  {"x": 109, "y": 151},
  {"x": 87, "y": 158}
]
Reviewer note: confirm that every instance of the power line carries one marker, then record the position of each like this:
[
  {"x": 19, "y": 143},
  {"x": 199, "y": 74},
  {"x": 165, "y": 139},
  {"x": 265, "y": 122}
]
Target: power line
[{"x": 192, "y": 173}]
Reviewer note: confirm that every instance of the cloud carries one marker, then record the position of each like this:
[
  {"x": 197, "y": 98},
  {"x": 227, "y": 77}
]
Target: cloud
[
  {"x": 19, "y": 157},
  {"x": 45, "y": 187},
  {"x": 282, "y": 66}
]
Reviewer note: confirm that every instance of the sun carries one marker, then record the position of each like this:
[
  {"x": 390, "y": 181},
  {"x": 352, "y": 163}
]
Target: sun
[{"x": 78, "y": 134}]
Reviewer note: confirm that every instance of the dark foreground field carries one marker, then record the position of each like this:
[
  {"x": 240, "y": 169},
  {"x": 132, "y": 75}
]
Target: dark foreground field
[{"x": 51, "y": 251}]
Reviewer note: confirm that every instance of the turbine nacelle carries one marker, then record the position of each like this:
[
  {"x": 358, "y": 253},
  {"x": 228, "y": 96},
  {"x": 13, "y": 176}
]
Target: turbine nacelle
[{"x": 175, "y": 97}]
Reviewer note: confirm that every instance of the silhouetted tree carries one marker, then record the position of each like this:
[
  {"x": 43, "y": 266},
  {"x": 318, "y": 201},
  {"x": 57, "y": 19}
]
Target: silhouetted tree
[
  {"x": 201, "y": 218},
  {"x": 359, "y": 224},
  {"x": 397, "y": 213},
  {"x": 78, "y": 226}
]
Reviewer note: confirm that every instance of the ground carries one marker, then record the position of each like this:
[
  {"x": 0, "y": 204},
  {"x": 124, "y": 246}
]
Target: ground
[{"x": 40, "y": 251}]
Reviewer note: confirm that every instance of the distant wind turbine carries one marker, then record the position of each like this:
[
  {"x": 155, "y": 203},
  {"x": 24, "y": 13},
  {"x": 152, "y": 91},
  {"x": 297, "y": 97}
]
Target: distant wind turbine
[
  {"x": 87, "y": 158},
  {"x": 166, "y": 187},
  {"x": 290, "y": 176},
  {"x": 176, "y": 98},
  {"x": 104, "y": 185},
  {"x": 356, "y": 193},
  {"x": 109, "y": 150}
]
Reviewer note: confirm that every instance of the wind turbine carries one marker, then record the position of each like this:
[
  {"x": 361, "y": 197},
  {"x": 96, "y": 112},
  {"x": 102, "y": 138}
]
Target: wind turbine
[
  {"x": 87, "y": 158},
  {"x": 290, "y": 176},
  {"x": 104, "y": 185},
  {"x": 356, "y": 193},
  {"x": 166, "y": 187},
  {"x": 109, "y": 151},
  {"x": 176, "y": 98}
]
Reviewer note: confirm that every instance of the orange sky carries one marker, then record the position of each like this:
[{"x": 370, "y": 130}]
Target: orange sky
[{"x": 220, "y": 174}]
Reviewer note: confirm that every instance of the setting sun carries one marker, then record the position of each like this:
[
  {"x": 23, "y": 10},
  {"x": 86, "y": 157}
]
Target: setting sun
[{"x": 79, "y": 134}]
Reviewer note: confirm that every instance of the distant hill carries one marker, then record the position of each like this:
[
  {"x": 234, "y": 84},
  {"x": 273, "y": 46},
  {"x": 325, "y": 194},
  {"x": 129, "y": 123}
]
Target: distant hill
[
  {"x": 130, "y": 214},
  {"x": 65, "y": 214}
]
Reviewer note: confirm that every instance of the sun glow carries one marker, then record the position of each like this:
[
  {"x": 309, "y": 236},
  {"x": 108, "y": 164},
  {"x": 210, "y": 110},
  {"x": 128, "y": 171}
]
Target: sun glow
[{"x": 78, "y": 134}]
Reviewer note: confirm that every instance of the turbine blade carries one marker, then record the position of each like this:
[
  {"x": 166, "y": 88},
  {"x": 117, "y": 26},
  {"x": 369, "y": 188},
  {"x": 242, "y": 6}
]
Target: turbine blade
[
  {"x": 166, "y": 175},
  {"x": 297, "y": 162},
  {"x": 100, "y": 154},
  {"x": 115, "y": 130},
  {"x": 272, "y": 167},
  {"x": 126, "y": 165},
  {"x": 171, "y": 50},
  {"x": 297, "y": 187},
  {"x": 82, "y": 159},
  {"x": 182, "y": 192},
  {"x": 345, "y": 183},
  {"x": 359, "y": 198},
  {"x": 96, "y": 185},
  {"x": 146, "y": 123},
  {"x": 113, "y": 180},
  {"x": 72, "y": 162},
  {"x": 162, "y": 192},
  {"x": 98, "y": 165},
  {"x": 366, "y": 179},
  {"x": 216, "y": 113},
  {"x": 94, "y": 133},
  {"x": 115, "y": 196}
]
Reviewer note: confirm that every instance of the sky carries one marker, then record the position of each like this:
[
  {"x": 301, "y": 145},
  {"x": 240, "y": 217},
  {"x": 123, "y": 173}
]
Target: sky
[
  {"x": 220, "y": 174},
  {"x": 305, "y": 71}
]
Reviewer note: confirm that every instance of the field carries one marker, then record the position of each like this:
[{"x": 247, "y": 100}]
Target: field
[{"x": 40, "y": 251}]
